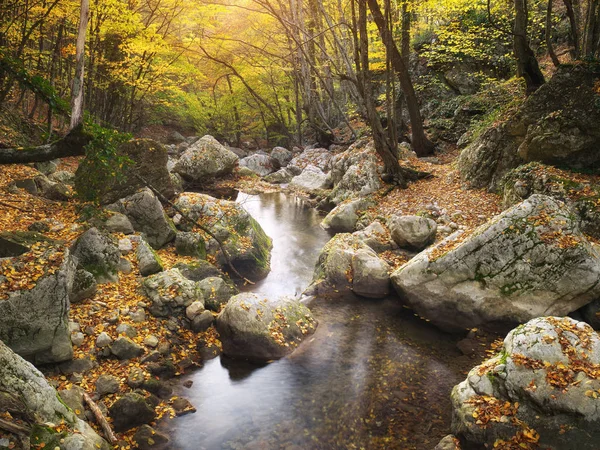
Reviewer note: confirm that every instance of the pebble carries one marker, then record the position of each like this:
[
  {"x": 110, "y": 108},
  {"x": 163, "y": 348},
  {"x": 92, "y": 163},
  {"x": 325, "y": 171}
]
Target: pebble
[
  {"x": 151, "y": 341},
  {"x": 77, "y": 338},
  {"x": 125, "y": 246},
  {"x": 74, "y": 326},
  {"x": 127, "y": 330},
  {"x": 138, "y": 316}
]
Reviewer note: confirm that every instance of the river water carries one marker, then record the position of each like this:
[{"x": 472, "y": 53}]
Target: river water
[{"x": 372, "y": 376}]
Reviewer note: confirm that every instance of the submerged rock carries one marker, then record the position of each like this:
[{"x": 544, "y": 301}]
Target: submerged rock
[
  {"x": 256, "y": 328},
  {"x": 530, "y": 261},
  {"x": 542, "y": 388}
]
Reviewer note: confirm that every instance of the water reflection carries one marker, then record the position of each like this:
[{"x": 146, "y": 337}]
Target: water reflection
[{"x": 372, "y": 376}]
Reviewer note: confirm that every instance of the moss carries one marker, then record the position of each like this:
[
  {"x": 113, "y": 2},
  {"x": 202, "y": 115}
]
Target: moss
[
  {"x": 46, "y": 436},
  {"x": 262, "y": 249}
]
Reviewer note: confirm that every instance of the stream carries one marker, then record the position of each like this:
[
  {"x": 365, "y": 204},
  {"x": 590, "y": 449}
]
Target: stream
[{"x": 372, "y": 376}]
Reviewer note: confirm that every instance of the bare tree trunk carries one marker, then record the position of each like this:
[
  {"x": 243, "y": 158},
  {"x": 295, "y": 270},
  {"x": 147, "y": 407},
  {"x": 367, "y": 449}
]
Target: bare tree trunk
[
  {"x": 527, "y": 64},
  {"x": 549, "y": 45},
  {"x": 77, "y": 91}
]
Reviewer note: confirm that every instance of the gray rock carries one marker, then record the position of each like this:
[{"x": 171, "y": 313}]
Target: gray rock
[
  {"x": 107, "y": 384},
  {"x": 182, "y": 406},
  {"x": 103, "y": 340},
  {"x": 530, "y": 261},
  {"x": 449, "y": 442},
  {"x": 125, "y": 348},
  {"x": 46, "y": 167},
  {"x": 412, "y": 232},
  {"x": 170, "y": 293},
  {"x": 371, "y": 275},
  {"x": 282, "y": 176},
  {"x": 260, "y": 164},
  {"x": 149, "y": 262},
  {"x": 202, "y": 322},
  {"x": 84, "y": 286},
  {"x": 125, "y": 246},
  {"x": 282, "y": 155},
  {"x": 136, "y": 377},
  {"x": 138, "y": 316},
  {"x": 98, "y": 254},
  {"x": 257, "y": 328},
  {"x": 151, "y": 341},
  {"x": 190, "y": 244},
  {"x": 216, "y": 292},
  {"x": 540, "y": 382},
  {"x": 126, "y": 330},
  {"x": 38, "y": 401},
  {"x": 125, "y": 266},
  {"x": 73, "y": 398},
  {"x": 311, "y": 180},
  {"x": 77, "y": 338},
  {"x": 198, "y": 270},
  {"x": 62, "y": 176},
  {"x": 147, "y": 216},
  {"x": 195, "y": 309},
  {"x": 318, "y": 157},
  {"x": 80, "y": 365},
  {"x": 376, "y": 236},
  {"x": 147, "y": 438},
  {"x": 130, "y": 411},
  {"x": 343, "y": 218},
  {"x": 205, "y": 160}
]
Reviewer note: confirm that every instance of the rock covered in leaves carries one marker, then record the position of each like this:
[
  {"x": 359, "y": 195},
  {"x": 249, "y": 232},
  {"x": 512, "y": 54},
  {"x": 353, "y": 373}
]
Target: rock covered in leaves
[
  {"x": 204, "y": 160},
  {"x": 260, "y": 164},
  {"x": 412, "y": 232},
  {"x": 246, "y": 243},
  {"x": 541, "y": 390},
  {"x": 346, "y": 263},
  {"x": 26, "y": 394},
  {"x": 147, "y": 216},
  {"x": 530, "y": 261},
  {"x": 170, "y": 293},
  {"x": 145, "y": 158},
  {"x": 376, "y": 236},
  {"x": 317, "y": 157},
  {"x": 34, "y": 319},
  {"x": 97, "y": 253},
  {"x": 216, "y": 292},
  {"x": 312, "y": 180},
  {"x": 343, "y": 218},
  {"x": 257, "y": 328}
]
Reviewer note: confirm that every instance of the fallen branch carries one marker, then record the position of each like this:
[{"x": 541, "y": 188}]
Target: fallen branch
[
  {"x": 195, "y": 223},
  {"x": 108, "y": 432},
  {"x": 14, "y": 428},
  {"x": 15, "y": 207}
]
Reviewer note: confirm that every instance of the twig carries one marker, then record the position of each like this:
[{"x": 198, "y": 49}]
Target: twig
[
  {"x": 15, "y": 207},
  {"x": 196, "y": 223},
  {"x": 14, "y": 428},
  {"x": 108, "y": 432}
]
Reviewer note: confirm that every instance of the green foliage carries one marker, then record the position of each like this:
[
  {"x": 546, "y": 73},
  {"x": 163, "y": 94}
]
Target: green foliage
[{"x": 103, "y": 158}]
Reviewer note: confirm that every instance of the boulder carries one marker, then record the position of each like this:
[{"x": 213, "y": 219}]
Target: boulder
[
  {"x": 202, "y": 322},
  {"x": 449, "y": 442},
  {"x": 282, "y": 155},
  {"x": 376, "y": 236},
  {"x": 147, "y": 438},
  {"x": 412, "y": 232},
  {"x": 190, "y": 244},
  {"x": 149, "y": 262},
  {"x": 125, "y": 348},
  {"x": 170, "y": 293},
  {"x": 316, "y": 157},
  {"x": 204, "y": 160},
  {"x": 541, "y": 390},
  {"x": 146, "y": 158},
  {"x": 216, "y": 292},
  {"x": 84, "y": 286},
  {"x": 198, "y": 270},
  {"x": 530, "y": 261},
  {"x": 118, "y": 223},
  {"x": 247, "y": 245},
  {"x": 256, "y": 328},
  {"x": 62, "y": 176},
  {"x": 282, "y": 176},
  {"x": 260, "y": 164},
  {"x": 34, "y": 316},
  {"x": 346, "y": 263},
  {"x": 312, "y": 180},
  {"x": 556, "y": 125},
  {"x": 97, "y": 253},
  {"x": 131, "y": 410},
  {"x": 26, "y": 394},
  {"x": 147, "y": 216},
  {"x": 343, "y": 218},
  {"x": 107, "y": 384}
]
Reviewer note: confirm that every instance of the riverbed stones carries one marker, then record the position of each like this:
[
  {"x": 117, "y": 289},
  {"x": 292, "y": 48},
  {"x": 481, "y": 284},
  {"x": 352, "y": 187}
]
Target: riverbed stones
[
  {"x": 280, "y": 177},
  {"x": 147, "y": 438},
  {"x": 312, "y": 180},
  {"x": 84, "y": 286},
  {"x": 216, "y": 292},
  {"x": 257, "y": 328},
  {"x": 542, "y": 385},
  {"x": 530, "y": 261},
  {"x": 149, "y": 262},
  {"x": 412, "y": 232},
  {"x": 347, "y": 263},
  {"x": 107, "y": 384},
  {"x": 202, "y": 322},
  {"x": 316, "y": 157},
  {"x": 198, "y": 270},
  {"x": 282, "y": 155},
  {"x": 260, "y": 164},
  {"x": 118, "y": 223},
  {"x": 244, "y": 240},
  {"x": 343, "y": 218},
  {"x": 170, "y": 293},
  {"x": 36, "y": 401},
  {"x": 131, "y": 410},
  {"x": 190, "y": 244},
  {"x": 376, "y": 236},
  {"x": 204, "y": 160},
  {"x": 125, "y": 348},
  {"x": 97, "y": 253},
  {"x": 147, "y": 216}
]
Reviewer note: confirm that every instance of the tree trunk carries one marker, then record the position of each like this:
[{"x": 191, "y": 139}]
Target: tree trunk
[
  {"x": 420, "y": 143},
  {"x": 77, "y": 91},
  {"x": 549, "y": 45},
  {"x": 527, "y": 64}
]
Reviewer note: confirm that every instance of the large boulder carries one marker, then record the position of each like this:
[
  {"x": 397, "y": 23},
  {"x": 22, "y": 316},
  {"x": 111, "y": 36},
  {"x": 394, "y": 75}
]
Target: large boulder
[
  {"x": 558, "y": 125},
  {"x": 412, "y": 232},
  {"x": 147, "y": 216},
  {"x": 540, "y": 391},
  {"x": 260, "y": 164},
  {"x": 376, "y": 236},
  {"x": 25, "y": 393},
  {"x": 170, "y": 293},
  {"x": 282, "y": 155},
  {"x": 347, "y": 263},
  {"x": 34, "y": 315},
  {"x": 280, "y": 177},
  {"x": 530, "y": 261},
  {"x": 97, "y": 253},
  {"x": 204, "y": 160},
  {"x": 244, "y": 240},
  {"x": 146, "y": 158},
  {"x": 256, "y": 328},
  {"x": 343, "y": 218},
  {"x": 317, "y": 157},
  {"x": 311, "y": 180}
]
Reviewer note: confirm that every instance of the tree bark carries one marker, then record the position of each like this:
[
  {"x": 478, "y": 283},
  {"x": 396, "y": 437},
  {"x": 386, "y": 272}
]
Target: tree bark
[
  {"x": 77, "y": 91},
  {"x": 420, "y": 143},
  {"x": 549, "y": 45},
  {"x": 71, "y": 145},
  {"x": 527, "y": 64}
]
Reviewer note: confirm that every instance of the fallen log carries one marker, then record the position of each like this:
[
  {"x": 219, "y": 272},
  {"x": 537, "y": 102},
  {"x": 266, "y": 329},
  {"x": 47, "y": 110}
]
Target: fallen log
[{"x": 108, "y": 432}]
